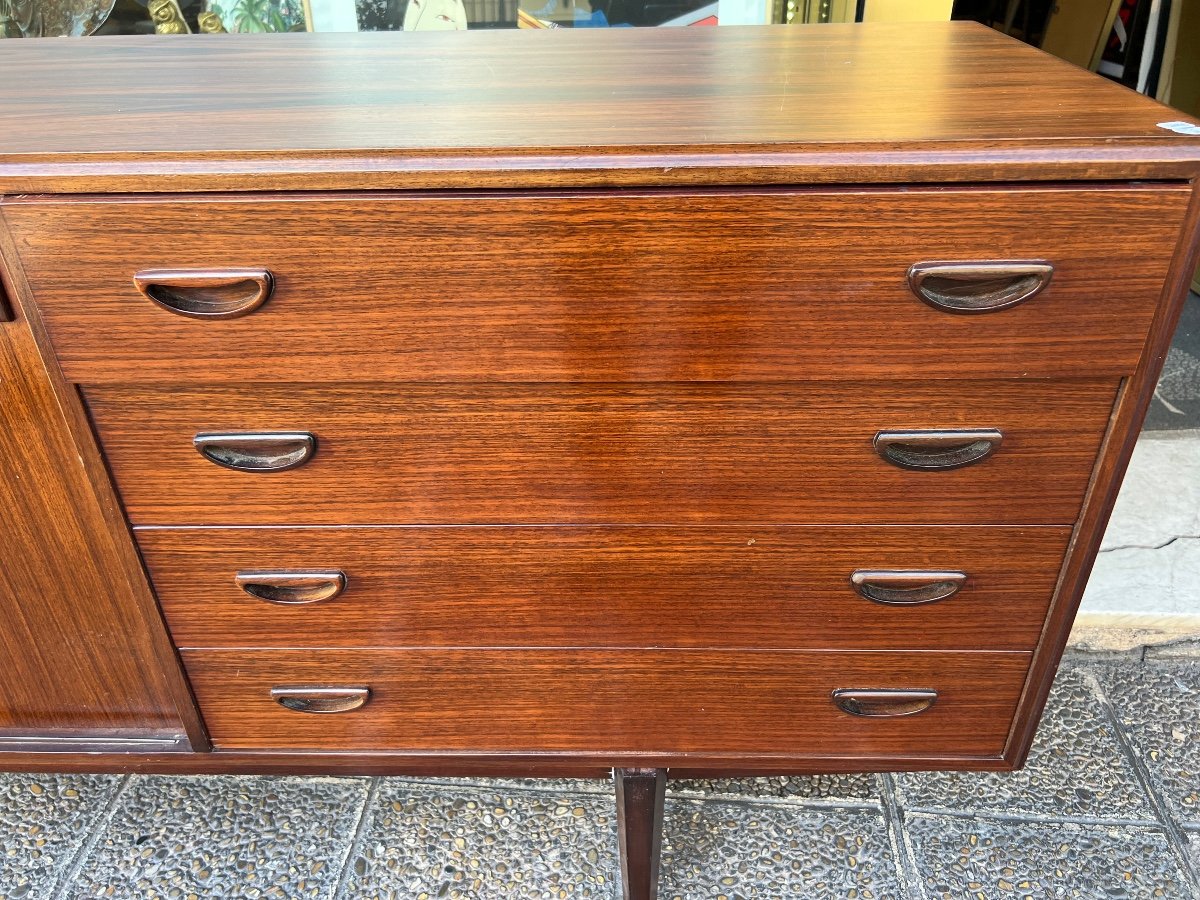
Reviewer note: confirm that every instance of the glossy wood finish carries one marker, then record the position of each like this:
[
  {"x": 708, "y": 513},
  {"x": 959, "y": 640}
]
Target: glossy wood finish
[
  {"x": 928, "y": 101},
  {"x": 907, "y": 587},
  {"x": 979, "y": 287},
  {"x": 6, "y": 307},
  {"x": 931, "y": 450},
  {"x": 1128, "y": 414},
  {"x": 799, "y": 294},
  {"x": 320, "y": 699},
  {"x": 256, "y": 452},
  {"x": 291, "y": 587},
  {"x": 621, "y": 454},
  {"x": 780, "y": 587},
  {"x": 84, "y": 658},
  {"x": 776, "y": 285},
  {"x": 687, "y": 701},
  {"x": 641, "y": 796},
  {"x": 887, "y": 703},
  {"x": 206, "y": 293}
]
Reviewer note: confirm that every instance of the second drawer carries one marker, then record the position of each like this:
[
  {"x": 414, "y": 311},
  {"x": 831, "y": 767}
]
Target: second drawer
[
  {"x": 770, "y": 587},
  {"x": 605, "y": 454}
]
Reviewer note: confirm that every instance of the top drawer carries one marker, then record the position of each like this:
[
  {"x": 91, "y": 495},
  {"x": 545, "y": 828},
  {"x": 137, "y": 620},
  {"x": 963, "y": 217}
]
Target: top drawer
[{"x": 667, "y": 286}]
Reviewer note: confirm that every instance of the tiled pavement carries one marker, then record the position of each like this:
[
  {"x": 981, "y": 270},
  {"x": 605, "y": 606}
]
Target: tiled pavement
[
  {"x": 1109, "y": 807},
  {"x": 1177, "y": 399}
]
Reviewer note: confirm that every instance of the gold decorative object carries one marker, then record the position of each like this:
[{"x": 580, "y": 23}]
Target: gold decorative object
[
  {"x": 528, "y": 20},
  {"x": 167, "y": 17},
  {"x": 52, "y": 18},
  {"x": 210, "y": 23}
]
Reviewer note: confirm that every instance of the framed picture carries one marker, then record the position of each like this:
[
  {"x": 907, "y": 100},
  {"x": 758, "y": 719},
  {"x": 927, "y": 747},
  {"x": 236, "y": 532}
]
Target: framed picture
[{"x": 262, "y": 15}]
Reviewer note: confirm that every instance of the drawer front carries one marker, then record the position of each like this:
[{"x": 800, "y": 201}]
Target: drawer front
[
  {"x": 665, "y": 286},
  {"x": 644, "y": 454},
  {"x": 777, "y": 587},
  {"x": 607, "y": 700}
]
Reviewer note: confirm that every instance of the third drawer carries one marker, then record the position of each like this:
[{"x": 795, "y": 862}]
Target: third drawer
[
  {"x": 772, "y": 587},
  {"x": 603, "y": 454}
]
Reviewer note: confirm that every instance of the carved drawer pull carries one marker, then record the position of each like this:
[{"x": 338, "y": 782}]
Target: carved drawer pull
[
  {"x": 881, "y": 703},
  {"x": 268, "y": 451},
  {"x": 937, "y": 449},
  {"x": 320, "y": 698},
  {"x": 978, "y": 287},
  {"x": 207, "y": 293},
  {"x": 292, "y": 588},
  {"x": 907, "y": 588}
]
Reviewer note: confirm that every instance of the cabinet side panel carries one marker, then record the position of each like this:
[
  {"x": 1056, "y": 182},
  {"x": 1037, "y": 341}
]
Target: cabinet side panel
[
  {"x": 1133, "y": 400},
  {"x": 84, "y": 652}
]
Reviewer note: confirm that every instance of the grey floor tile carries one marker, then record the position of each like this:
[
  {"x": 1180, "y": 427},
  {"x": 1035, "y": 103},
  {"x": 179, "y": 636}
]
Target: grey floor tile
[
  {"x": 961, "y": 858},
  {"x": 743, "y": 851},
  {"x": 1076, "y": 769},
  {"x": 856, "y": 789},
  {"x": 1187, "y": 649},
  {"x": 45, "y": 820},
  {"x": 423, "y": 842},
  {"x": 224, "y": 837},
  {"x": 1159, "y": 705}
]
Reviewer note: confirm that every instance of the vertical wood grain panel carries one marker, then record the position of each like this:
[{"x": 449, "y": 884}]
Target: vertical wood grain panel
[
  {"x": 1133, "y": 400},
  {"x": 83, "y": 651}
]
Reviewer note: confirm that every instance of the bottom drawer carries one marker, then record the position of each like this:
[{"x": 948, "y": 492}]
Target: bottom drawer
[{"x": 610, "y": 701}]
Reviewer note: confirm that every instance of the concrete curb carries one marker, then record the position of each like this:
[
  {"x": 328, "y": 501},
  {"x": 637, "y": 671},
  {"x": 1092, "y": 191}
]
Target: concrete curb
[{"x": 1145, "y": 587}]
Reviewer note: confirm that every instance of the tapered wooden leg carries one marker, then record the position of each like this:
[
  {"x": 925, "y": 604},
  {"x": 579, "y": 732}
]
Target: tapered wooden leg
[{"x": 640, "y": 794}]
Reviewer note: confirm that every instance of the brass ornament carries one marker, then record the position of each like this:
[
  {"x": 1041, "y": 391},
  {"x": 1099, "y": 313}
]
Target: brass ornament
[
  {"x": 167, "y": 17},
  {"x": 210, "y": 23}
]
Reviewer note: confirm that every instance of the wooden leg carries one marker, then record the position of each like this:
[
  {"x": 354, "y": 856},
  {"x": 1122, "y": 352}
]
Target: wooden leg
[{"x": 640, "y": 794}]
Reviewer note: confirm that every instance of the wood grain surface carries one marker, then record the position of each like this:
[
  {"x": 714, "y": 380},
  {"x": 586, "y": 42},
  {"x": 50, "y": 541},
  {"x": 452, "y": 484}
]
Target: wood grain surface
[
  {"x": 486, "y": 764},
  {"x": 777, "y": 587},
  {"x": 641, "y": 796},
  {"x": 882, "y": 102},
  {"x": 774, "y": 285},
  {"x": 610, "y": 700},
  {"x": 84, "y": 655},
  {"x": 1128, "y": 414},
  {"x": 603, "y": 454}
]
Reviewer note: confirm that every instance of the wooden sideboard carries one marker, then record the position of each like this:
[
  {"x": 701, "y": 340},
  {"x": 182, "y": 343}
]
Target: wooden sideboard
[{"x": 554, "y": 403}]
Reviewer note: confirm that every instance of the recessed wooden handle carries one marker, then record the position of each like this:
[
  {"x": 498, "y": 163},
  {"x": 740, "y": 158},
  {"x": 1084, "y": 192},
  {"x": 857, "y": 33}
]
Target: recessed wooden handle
[
  {"x": 937, "y": 449},
  {"x": 320, "y": 698},
  {"x": 268, "y": 451},
  {"x": 978, "y": 287},
  {"x": 291, "y": 588},
  {"x": 6, "y": 307},
  {"x": 883, "y": 703},
  {"x": 207, "y": 293},
  {"x": 906, "y": 588}
]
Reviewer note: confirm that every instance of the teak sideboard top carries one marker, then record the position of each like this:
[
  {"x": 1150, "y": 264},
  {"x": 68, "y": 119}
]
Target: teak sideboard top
[{"x": 945, "y": 102}]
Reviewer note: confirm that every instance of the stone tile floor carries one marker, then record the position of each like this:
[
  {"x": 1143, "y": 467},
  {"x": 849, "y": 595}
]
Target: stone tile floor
[
  {"x": 1109, "y": 807},
  {"x": 1177, "y": 399}
]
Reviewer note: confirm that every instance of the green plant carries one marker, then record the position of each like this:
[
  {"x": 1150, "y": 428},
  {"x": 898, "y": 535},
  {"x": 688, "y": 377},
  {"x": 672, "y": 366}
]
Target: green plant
[{"x": 253, "y": 15}]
